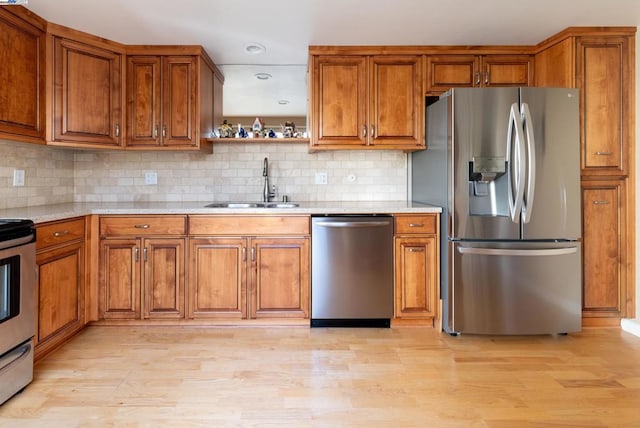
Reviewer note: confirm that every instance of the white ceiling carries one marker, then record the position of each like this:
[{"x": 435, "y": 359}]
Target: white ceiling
[{"x": 287, "y": 27}]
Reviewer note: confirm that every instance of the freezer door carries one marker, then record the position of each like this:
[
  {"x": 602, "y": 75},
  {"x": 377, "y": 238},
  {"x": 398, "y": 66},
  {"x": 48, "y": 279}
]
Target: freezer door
[
  {"x": 479, "y": 190},
  {"x": 514, "y": 288},
  {"x": 552, "y": 189}
]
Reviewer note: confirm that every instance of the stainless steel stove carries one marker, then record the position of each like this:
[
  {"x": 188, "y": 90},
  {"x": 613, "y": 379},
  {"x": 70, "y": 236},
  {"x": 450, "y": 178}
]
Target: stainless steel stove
[{"x": 17, "y": 304}]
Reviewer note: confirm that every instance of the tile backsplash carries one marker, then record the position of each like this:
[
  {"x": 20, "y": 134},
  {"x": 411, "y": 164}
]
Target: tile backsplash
[
  {"x": 232, "y": 173},
  {"x": 49, "y": 175}
]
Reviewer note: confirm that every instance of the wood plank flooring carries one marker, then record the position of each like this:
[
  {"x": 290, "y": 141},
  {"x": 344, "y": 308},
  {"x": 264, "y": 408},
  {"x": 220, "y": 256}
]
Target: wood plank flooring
[{"x": 301, "y": 377}]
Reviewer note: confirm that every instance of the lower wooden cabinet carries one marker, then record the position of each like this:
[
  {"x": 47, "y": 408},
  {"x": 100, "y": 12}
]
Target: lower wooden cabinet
[
  {"x": 142, "y": 267},
  {"x": 142, "y": 278},
  {"x": 605, "y": 246},
  {"x": 416, "y": 252},
  {"x": 249, "y": 277},
  {"x": 60, "y": 252}
]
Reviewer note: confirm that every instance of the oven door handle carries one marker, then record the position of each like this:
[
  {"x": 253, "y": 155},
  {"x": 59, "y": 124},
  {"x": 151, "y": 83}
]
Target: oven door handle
[{"x": 14, "y": 357}]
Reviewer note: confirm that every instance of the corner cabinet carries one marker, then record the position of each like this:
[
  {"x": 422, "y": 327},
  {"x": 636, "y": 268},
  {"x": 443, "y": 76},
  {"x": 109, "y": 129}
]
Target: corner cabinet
[
  {"x": 60, "y": 259},
  {"x": 22, "y": 75},
  {"x": 170, "y": 100},
  {"x": 248, "y": 267},
  {"x": 600, "y": 63},
  {"x": 142, "y": 267},
  {"x": 417, "y": 255},
  {"x": 87, "y": 91},
  {"x": 464, "y": 71},
  {"x": 367, "y": 101}
]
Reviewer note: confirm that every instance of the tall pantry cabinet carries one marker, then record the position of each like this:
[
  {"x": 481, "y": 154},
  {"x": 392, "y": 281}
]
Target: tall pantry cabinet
[{"x": 600, "y": 64}]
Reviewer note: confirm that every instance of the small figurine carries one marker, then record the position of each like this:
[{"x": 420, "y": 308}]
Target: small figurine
[
  {"x": 242, "y": 133},
  {"x": 272, "y": 133},
  {"x": 289, "y": 130},
  {"x": 225, "y": 130},
  {"x": 258, "y": 126}
]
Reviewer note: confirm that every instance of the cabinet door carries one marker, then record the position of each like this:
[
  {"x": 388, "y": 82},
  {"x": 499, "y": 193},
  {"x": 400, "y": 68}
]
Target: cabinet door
[
  {"x": 416, "y": 277},
  {"x": 605, "y": 248},
  {"x": 217, "y": 278},
  {"x": 163, "y": 282},
  {"x": 339, "y": 101},
  {"x": 451, "y": 71},
  {"x": 179, "y": 101},
  {"x": 280, "y": 278},
  {"x": 22, "y": 79},
  {"x": 87, "y": 94},
  {"x": 120, "y": 278},
  {"x": 396, "y": 111},
  {"x": 143, "y": 100},
  {"x": 507, "y": 70},
  {"x": 60, "y": 279},
  {"x": 604, "y": 80}
]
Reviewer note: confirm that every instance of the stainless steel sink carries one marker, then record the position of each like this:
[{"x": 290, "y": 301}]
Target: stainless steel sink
[{"x": 251, "y": 205}]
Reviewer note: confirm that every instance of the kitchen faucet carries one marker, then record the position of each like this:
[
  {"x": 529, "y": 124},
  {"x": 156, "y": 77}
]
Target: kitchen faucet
[{"x": 266, "y": 193}]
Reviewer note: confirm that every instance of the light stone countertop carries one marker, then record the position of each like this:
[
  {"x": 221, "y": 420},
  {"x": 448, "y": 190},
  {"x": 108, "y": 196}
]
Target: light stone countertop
[{"x": 44, "y": 213}]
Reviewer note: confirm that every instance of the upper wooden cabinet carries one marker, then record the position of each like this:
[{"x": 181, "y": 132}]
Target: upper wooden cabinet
[
  {"x": 22, "y": 76},
  {"x": 600, "y": 64},
  {"x": 457, "y": 71},
  {"x": 170, "y": 101},
  {"x": 87, "y": 93},
  {"x": 362, "y": 101}
]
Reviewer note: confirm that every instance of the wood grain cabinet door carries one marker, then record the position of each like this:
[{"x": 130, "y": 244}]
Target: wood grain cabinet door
[
  {"x": 144, "y": 106},
  {"x": 87, "y": 94},
  {"x": 416, "y": 277},
  {"x": 216, "y": 287},
  {"x": 339, "y": 100},
  {"x": 280, "y": 278},
  {"x": 60, "y": 294},
  {"x": 179, "y": 101},
  {"x": 604, "y": 80},
  {"x": 22, "y": 79},
  {"x": 451, "y": 71},
  {"x": 507, "y": 70},
  {"x": 163, "y": 280},
  {"x": 605, "y": 248},
  {"x": 120, "y": 278},
  {"x": 396, "y": 101}
]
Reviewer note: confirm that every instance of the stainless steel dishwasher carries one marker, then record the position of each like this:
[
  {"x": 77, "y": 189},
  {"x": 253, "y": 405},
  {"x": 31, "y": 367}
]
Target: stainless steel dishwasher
[{"x": 352, "y": 271}]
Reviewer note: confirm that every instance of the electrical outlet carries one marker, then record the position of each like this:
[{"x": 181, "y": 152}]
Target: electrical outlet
[
  {"x": 321, "y": 178},
  {"x": 18, "y": 177},
  {"x": 150, "y": 178}
]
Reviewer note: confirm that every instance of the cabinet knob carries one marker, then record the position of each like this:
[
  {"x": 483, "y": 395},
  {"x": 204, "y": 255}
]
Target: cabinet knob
[
  {"x": 416, "y": 224},
  {"x": 604, "y": 153},
  {"x": 486, "y": 78},
  {"x": 364, "y": 131},
  {"x": 142, "y": 226},
  {"x": 60, "y": 233},
  {"x": 416, "y": 250},
  {"x": 117, "y": 130},
  {"x": 600, "y": 202},
  {"x": 478, "y": 78}
]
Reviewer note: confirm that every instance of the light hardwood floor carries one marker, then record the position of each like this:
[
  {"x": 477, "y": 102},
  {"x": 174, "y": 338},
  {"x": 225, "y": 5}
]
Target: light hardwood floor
[{"x": 301, "y": 377}]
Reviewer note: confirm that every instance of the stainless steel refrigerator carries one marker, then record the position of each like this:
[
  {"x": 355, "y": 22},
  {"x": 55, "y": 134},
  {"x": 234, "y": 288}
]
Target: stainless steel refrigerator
[{"x": 504, "y": 164}]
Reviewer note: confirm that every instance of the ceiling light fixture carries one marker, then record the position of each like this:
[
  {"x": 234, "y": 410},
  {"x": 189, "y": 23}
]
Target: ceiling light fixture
[
  {"x": 254, "y": 48},
  {"x": 263, "y": 76},
  {"x": 283, "y": 102}
]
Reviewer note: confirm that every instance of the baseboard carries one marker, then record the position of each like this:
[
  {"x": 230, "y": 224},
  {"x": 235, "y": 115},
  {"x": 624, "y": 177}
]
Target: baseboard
[{"x": 631, "y": 326}]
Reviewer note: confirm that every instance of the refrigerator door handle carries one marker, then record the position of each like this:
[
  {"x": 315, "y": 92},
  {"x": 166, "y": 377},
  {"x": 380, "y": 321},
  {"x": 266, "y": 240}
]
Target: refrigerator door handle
[
  {"x": 527, "y": 203},
  {"x": 515, "y": 153},
  {"x": 510, "y": 252}
]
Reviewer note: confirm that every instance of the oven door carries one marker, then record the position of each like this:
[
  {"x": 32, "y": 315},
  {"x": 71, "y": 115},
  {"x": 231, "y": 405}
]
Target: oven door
[{"x": 17, "y": 295}]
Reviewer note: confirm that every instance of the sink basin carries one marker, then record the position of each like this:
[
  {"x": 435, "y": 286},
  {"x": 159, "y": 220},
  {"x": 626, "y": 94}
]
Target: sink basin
[{"x": 251, "y": 205}]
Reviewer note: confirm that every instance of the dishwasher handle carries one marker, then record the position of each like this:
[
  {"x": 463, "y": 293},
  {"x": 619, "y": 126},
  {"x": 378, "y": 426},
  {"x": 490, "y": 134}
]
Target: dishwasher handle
[{"x": 352, "y": 223}]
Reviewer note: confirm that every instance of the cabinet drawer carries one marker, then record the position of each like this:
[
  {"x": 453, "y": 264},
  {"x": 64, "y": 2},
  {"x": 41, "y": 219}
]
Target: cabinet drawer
[
  {"x": 141, "y": 225},
  {"x": 49, "y": 234},
  {"x": 241, "y": 225},
  {"x": 424, "y": 223}
]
